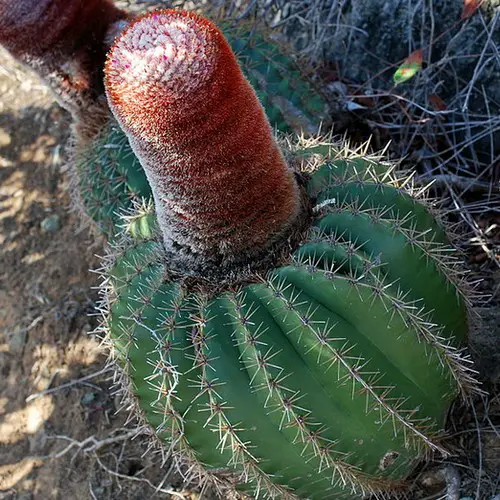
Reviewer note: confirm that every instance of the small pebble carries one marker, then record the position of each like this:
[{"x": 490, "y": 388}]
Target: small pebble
[
  {"x": 88, "y": 398},
  {"x": 17, "y": 341},
  {"x": 51, "y": 224}
]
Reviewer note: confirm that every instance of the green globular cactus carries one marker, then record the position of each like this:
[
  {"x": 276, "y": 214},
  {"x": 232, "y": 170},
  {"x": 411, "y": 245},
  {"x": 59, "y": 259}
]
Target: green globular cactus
[
  {"x": 291, "y": 101},
  {"x": 109, "y": 178},
  {"x": 327, "y": 377},
  {"x": 304, "y": 334}
]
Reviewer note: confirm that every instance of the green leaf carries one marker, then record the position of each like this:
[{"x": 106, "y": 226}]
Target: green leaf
[{"x": 410, "y": 67}]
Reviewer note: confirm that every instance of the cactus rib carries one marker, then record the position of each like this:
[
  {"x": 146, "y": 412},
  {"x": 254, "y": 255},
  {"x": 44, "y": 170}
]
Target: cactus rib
[{"x": 329, "y": 312}]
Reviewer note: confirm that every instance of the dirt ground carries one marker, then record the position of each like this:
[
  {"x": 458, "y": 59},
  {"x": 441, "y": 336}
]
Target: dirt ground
[
  {"x": 46, "y": 296},
  {"x": 56, "y": 401}
]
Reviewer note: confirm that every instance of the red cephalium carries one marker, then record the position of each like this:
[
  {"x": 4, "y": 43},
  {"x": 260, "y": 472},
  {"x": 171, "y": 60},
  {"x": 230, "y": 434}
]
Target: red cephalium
[
  {"x": 64, "y": 41},
  {"x": 221, "y": 186}
]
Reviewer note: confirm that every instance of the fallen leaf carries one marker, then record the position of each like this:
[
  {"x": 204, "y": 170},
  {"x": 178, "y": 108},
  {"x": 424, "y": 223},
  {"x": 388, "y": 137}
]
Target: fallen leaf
[
  {"x": 365, "y": 101},
  {"x": 470, "y": 7},
  {"x": 410, "y": 67},
  {"x": 437, "y": 103}
]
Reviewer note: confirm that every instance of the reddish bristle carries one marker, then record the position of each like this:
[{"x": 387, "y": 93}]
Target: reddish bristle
[
  {"x": 33, "y": 26},
  {"x": 220, "y": 183},
  {"x": 64, "y": 41}
]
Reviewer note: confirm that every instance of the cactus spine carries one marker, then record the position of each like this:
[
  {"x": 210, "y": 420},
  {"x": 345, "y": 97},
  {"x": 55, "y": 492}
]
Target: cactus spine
[{"x": 323, "y": 372}]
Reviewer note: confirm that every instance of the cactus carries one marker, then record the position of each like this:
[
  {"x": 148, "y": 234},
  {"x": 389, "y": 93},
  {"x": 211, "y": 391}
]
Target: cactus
[
  {"x": 65, "y": 42},
  {"x": 109, "y": 178},
  {"x": 304, "y": 331}
]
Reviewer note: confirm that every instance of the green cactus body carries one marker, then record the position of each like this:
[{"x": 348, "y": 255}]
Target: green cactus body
[
  {"x": 279, "y": 82},
  {"x": 328, "y": 377},
  {"x": 110, "y": 177},
  {"x": 303, "y": 332}
]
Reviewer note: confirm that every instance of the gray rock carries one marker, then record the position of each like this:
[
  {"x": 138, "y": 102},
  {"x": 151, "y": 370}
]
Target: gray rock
[
  {"x": 51, "y": 224},
  {"x": 485, "y": 345}
]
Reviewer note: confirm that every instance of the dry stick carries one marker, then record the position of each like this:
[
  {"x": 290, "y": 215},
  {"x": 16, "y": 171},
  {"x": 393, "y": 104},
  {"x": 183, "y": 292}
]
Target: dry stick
[
  {"x": 432, "y": 40},
  {"x": 90, "y": 444},
  {"x": 460, "y": 182},
  {"x": 479, "y": 450},
  {"x": 464, "y": 125},
  {"x": 248, "y": 9},
  {"x": 492, "y": 140},
  {"x": 67, "y": 384},
  {"x": 395, "y": 65},
  {"x": 402, "y": 98},
  {"x": 493, "y": 45},
  {"x": 417, "y": 131},
  {"x": 461, "y": 146},
  {"x": 476, "y": 208},
  {"x": 471, "y": 223},
  {"x": 490, "y": 128},
  {"x": 92, "y": 494},
  {"x": 320, "y": 39},
  {"x": 401, "y": 126},
  {"x": 483, "y": 52},
  {"x": 452, "y": 147},
  {"x": 452, "y": 478},
  {"x": 120, "y": 457},
  {"x": 94, "y": 443},
  {"x": 26, "y": 329}
]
